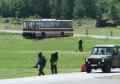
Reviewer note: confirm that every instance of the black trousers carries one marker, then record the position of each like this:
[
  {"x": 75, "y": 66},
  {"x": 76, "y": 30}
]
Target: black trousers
[
  {"x": 41, "y": 72},
  {"x": 53, "y": 69},
  {"x": 80, "y": 48}
]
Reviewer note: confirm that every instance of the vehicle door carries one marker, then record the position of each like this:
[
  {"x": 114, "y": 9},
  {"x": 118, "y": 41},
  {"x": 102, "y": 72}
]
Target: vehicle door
[
  {"x": 116, "y": 57},
  {"x": 119, "y": 55}
]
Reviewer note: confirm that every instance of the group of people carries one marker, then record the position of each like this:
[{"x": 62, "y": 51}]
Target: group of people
[
  {"x": 42, "y": 62},
  {"x": 53, "y": 60}
]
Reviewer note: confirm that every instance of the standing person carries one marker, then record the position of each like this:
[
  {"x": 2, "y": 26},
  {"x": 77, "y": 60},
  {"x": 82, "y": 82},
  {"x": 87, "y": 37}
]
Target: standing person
[
  {"x": 80, "y": 45},
  {"x": 53, "y": 60},
  {"x": 41, "y": 62}
]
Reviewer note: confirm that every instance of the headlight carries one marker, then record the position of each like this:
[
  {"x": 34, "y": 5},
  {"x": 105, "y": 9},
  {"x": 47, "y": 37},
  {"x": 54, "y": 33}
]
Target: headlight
[
  {"x": 86, "y": 60},
  {"x": 103, "y": 60}
]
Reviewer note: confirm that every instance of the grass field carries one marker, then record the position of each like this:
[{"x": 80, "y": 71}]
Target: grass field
[{"x": 18, "y": 55}]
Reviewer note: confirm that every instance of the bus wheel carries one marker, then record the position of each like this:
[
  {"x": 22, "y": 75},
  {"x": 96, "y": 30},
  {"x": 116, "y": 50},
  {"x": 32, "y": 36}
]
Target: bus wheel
[
  {"x": 62, "y": 34},
  {"x": 33, "y": 35},
  {"x": 43, "y": 35}
]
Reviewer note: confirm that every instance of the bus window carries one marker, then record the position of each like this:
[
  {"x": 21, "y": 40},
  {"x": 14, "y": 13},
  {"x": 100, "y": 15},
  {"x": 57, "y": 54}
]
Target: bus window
[
  {"x": 41, "y": 24},
  {"x": 51, "y": 24},
  {"x": 119, "y": 50},
  {"x": 37, "y": 25},
  {"x": 61, "y": 24},
  {"x": 33, "y": 25},
  {"x": 66, "y": 24},
  {"x": 46, "y": 24},
  {"x": 57, "y": 24},
  {"x": 70, "y": 24},
  {"x": 30, "y": 25},
  {"x": 25, "y": 25}
]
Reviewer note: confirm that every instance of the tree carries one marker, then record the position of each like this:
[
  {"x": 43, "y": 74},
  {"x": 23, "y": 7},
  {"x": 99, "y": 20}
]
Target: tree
[
  {"x": 4, "y": 8},
  {"x": 114, "y": 10},
  {"x": 58, "y": 9},
  {"x": 78, "y": 9},
  {"x": 40, "y": 7},
  {"x": 53, "y": 8},
  {"x": 21, "y": 8},
  {"x": 85, "y": 8},
  {"x": 45, "y": 9},
  {"x": 68, "y": 9}
]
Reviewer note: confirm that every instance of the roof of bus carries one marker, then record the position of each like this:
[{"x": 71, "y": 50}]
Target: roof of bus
[
  {"x": 47, "y": 20},
  {"x": 107, "y": 45}
]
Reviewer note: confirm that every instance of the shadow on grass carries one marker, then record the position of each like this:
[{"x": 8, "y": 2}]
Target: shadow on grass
[{"x": 39, "y": 38}]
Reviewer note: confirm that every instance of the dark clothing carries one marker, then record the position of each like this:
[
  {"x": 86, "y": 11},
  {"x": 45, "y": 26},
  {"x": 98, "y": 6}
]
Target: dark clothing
[
  {"x": 41, "y": 62},
  {"x": 53, "y": 60},
  {"x": 80, "y": 46},
  {"x": 41, "y": 70},
  {"x": 54, "y": 57},
  {"x": 53, "y": 69}
]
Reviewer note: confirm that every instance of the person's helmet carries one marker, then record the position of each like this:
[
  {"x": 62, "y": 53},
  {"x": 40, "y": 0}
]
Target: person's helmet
[
  {"x": 56, "y": 53},
  {"x": 40, "y": 54}
]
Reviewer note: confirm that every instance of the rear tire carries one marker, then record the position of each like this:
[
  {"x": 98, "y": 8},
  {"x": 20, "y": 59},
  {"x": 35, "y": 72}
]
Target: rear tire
[
  {"x": 106, "y": 68},
  {"x": 33, "y": 35},
  {"x": 43, "y": 35},
  {"x": 62, "y": 34}
]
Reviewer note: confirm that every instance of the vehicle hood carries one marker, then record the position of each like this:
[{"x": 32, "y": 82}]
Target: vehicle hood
[{"x": 99, "y": 56}]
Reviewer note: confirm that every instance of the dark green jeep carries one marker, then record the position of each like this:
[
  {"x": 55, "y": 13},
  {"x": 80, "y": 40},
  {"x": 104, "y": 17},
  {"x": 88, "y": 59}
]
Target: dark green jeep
[{"x": 104, "y": 57}]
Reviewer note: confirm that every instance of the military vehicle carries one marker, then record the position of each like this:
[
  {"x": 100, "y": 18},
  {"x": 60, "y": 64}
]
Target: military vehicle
[
  {"x": 103, "y": 57},
  {"x": 118, "y": 22},
  {"x": 105, "y": 23}
]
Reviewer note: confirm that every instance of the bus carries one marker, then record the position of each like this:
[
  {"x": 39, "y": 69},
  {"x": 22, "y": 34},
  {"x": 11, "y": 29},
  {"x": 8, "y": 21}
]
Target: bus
[{"x": 47, "y": 27}]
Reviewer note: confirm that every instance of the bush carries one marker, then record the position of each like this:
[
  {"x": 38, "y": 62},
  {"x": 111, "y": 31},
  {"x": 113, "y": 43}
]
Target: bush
[{"x": 34, "y": 17}]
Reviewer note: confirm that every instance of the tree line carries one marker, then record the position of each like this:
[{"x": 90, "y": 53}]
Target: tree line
[{"x": 61, "y": 9}]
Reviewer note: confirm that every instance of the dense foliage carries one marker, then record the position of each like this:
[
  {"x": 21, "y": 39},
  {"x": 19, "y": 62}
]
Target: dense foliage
[{"x": 61, "y": 9}]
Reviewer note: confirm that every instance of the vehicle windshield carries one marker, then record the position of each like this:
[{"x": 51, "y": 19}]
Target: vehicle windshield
[{"x": 102, "y": 51}]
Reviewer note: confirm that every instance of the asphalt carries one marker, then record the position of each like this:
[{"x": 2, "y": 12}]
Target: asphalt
[{"x": 96, "y": 77}]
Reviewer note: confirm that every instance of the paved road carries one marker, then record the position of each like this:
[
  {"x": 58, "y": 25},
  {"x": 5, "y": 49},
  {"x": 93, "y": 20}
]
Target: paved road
[
  {"x": 75, "y": 35},
  {"x": 100, "y": 37},
  {"x": 11, "y": 31},
  {"x": 72, "y": 78}
]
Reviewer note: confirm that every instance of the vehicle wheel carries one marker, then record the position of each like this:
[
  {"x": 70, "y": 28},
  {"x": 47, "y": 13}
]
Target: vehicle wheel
[
  {"x": 88, "y": 68},
  {"x": 62, "y": 34},
  {"x": 43, "y": 35},
  {"x": 106, "y": 68},
  {"x": 33, "y": 35}
]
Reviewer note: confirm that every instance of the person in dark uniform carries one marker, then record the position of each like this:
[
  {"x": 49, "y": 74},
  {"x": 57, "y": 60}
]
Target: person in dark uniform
[
  {"x": 41, "y": 62},
  {"x": 53, "y": 61},
  {"x": 80, "y": 45}
]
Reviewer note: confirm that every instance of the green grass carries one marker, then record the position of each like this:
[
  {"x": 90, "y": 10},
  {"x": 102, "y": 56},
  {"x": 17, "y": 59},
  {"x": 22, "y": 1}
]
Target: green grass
[{"x": 18, "y": 55}]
